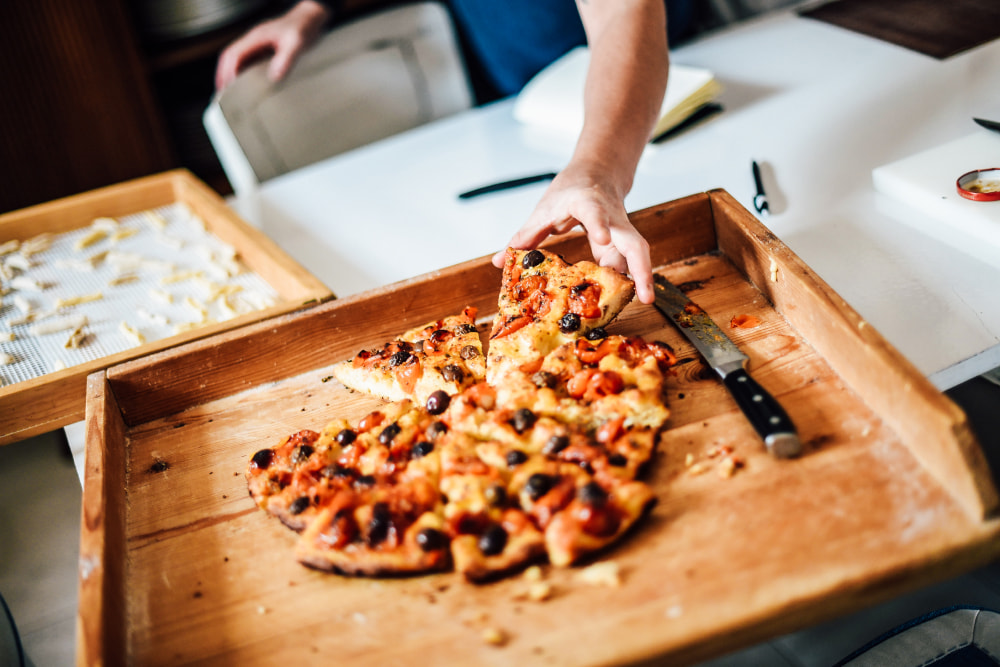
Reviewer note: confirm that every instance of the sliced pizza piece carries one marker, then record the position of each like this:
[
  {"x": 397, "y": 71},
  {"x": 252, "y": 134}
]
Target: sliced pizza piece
[
  {"x": 490, "y": 535},
  {"x": 385, "y": 530},
  {"x": 589, "y": 382},
  {"x": 441, "y": 356},
  {"x": 597, "y": 516},
  {"x": 289, "y": 479},
  {"x": 304, "y": 470},
  {"x": 544, "y": 302}
]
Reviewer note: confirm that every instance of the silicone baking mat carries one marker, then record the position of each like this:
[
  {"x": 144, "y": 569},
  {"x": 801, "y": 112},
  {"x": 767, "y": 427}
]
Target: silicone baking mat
[
  {"x": 116, "y": 284},
  {"x": 932, "y": 27}
]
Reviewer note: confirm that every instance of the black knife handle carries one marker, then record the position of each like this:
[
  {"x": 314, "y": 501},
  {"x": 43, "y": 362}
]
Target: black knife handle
[{"x": 765, "y": 414}]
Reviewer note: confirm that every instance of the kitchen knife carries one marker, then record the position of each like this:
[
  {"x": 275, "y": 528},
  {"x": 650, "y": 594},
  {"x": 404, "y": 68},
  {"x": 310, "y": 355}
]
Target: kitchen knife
[
  {"x": 988, "y": 124},
  {"x": 764, "y": 412}
]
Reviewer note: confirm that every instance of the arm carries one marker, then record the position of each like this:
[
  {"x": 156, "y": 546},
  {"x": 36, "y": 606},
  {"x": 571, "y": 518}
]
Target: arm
[
  {"x": 285, "y": 37},
  {"x": 622, "y": 98}
]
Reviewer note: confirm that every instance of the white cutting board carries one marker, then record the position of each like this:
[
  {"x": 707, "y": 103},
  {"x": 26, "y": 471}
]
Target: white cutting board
[{"x": 927, "y": 183}]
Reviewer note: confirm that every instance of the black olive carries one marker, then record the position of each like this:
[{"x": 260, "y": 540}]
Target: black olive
[
  {"x": 469, "y": 352},
  {"x": 544, "y": 379},
  {"x": 555, "y": 444},
  {"x": 365, "y": 480},
  {"x": 617, "y": 460},
  {"x": 431, "y": 539},
  {"x": 496, "y": 495},
  {"x": 569, "y": 323},
  {"x": 399, "y": 358},
  {"x": 581, "y": 288},
  {"x": 378, "y": 526},
  {"x": 538, "y": 485},
  {"x": 421, "y": 449},
  {"x": 438, "y": 402},
  {"x": 346, "y": 437},
  {"x": 263, "y": 458},
  {"x": 337, "y": 471},
  {"x": 516, "y": 457},
  {"x": 435, "y": 429},
  {"x": 592, "y": 494},
  {"x": 453, "y": 373},
  {"x": 301, "y": 453},
  {"x": 597, "y": 333},
  {"x": 493, "y": 540},
  {"x": 522, "y": 420},
  {"x": 463, "y": 329},
  {"x": 532, "y": 258},
  {"x": 388, "y": 433},
  {"x": 299, "y": 505},
  {"x": 440, "y": 336}
]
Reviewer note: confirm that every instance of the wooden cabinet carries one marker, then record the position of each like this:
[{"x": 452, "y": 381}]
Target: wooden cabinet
[
  {"x": 76, "y": 108},
  {"x": 87, "y": 99}
]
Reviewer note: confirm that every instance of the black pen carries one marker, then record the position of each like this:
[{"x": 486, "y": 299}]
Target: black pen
[
  {"x": 507, "y": 185},
  {"x": 760, "y": 199}
]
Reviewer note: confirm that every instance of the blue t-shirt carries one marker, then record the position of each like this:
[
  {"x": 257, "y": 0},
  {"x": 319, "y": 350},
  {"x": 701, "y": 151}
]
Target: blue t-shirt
[{"x": 509, "y": 41}]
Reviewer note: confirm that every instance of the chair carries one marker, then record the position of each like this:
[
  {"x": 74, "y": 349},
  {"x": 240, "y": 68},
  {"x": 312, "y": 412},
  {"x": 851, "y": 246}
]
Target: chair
[{"x": 363, "y": 81}]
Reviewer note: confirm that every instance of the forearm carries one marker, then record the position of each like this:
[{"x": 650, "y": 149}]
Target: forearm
[{"x": 624, "y": 89}]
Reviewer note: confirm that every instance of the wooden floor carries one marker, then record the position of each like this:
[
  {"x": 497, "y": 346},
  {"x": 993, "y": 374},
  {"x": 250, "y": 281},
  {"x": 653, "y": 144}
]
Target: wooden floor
[{"x": 39, "y": 539}]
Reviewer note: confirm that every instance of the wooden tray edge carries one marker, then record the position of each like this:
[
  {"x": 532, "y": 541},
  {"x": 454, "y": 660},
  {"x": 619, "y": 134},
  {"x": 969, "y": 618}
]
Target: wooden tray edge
[
  {"x": 935, "y": 430},
  {"x": 100, "y": 619}
]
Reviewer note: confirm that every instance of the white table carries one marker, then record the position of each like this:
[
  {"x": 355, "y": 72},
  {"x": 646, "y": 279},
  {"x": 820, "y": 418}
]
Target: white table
[{"x": 818, "y": 106}]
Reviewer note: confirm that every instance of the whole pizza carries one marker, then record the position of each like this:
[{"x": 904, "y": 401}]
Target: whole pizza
[{"x": 482, "y": 463}]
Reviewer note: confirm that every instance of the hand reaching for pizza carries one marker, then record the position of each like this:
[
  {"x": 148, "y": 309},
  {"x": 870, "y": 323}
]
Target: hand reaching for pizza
[{"x": 577, "y": 198}]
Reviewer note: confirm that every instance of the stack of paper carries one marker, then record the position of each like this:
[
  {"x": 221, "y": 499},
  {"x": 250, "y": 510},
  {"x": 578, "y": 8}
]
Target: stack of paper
[{"x": 554, "y": 97}]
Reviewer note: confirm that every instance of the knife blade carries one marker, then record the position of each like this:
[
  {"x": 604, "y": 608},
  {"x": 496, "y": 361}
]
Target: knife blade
[
  {"x": 988, "y": 124},
  {"x": 766, "y": 415}
]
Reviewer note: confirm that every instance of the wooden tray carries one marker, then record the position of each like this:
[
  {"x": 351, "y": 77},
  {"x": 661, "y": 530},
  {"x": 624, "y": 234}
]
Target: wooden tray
[
  {"x": 56, "y": 399},
  {"x": 892, "y": 492}
]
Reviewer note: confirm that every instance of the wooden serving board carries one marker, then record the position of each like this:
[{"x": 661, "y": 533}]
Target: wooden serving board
[
  {"x": 56, "y": 399},
  {"x": 178, "y": 566}
]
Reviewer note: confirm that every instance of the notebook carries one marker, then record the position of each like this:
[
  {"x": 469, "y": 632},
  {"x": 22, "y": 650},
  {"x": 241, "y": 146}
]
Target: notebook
[{"x": 553, "y": 99}]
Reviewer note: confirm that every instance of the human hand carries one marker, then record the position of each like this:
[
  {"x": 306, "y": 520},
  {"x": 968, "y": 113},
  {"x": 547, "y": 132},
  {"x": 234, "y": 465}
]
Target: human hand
[
  {"x": 285, "y": 37},
  {"x": 575, "y": 199}
]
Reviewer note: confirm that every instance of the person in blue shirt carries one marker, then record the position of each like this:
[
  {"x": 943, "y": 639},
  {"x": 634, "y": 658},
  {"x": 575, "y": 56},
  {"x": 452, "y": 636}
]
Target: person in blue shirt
[{"x": 511, "y": 40}]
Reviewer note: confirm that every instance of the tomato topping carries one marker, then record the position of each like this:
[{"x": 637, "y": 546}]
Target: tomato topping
[
  {"x": 360, "y": 359},
  {"x": 370, "y": 421},
  {"x": 610, "y": 430},
  {"x": 557, "y": 498},
  {"x": 663, "y": 353},
  {"x": 510, "y": 325},
  {"x": 577, "y": 385},
  {"x": 603, "y": 383},
  {"x": 599, "y": 521},
  {"x": 527, "y": 286},
  {"x": 584, "y": 300},
  {"x": 589, "y": 354},
  {"x": 531, "y": 366},
  {"x": 407, "y": 374}
]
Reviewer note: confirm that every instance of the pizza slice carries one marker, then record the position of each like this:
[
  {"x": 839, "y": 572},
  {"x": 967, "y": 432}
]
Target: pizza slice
[
  {"x": 386, "y": 529},
  {"x": 544, "y": 302},
  {"x": 490, "y": 535},
  {"x": 441, "y": 356},
  {"x": 300, "y": 474},
  {"x": 592, "y": 381}
]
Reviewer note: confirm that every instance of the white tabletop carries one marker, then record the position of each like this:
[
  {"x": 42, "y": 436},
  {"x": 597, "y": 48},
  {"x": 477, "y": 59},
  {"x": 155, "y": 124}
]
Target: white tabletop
[{"x": 818, "y": 106}]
